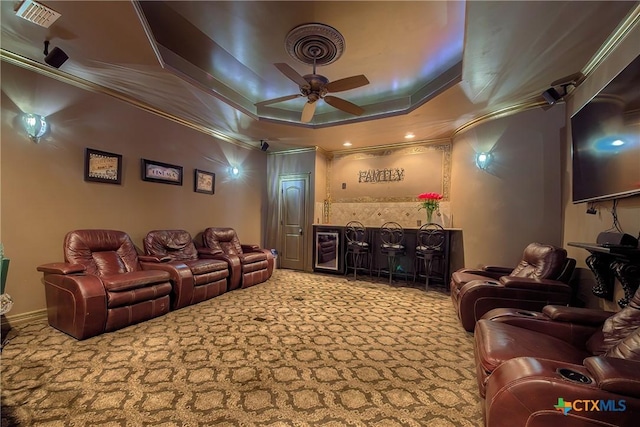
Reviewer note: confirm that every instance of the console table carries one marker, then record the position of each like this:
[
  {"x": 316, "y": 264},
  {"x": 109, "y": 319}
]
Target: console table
[{"x": 613, "y": 262}]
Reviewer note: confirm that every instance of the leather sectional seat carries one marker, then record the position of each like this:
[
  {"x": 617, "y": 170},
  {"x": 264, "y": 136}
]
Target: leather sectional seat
[
  {"x": 541, "y": 278},
  {"x": 195, "y": 279},
  {"x": 526, "y": 361},
  {"x": 249, "y": 264},
  {"x": 102, "y": 286}
]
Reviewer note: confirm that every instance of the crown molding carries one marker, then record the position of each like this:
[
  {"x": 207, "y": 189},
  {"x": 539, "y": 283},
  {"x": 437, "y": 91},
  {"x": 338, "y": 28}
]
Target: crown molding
[{"x": 56, "y": 74}]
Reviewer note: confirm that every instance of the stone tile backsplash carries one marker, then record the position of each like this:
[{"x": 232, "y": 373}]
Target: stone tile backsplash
[{"x": 375, "y": 214}]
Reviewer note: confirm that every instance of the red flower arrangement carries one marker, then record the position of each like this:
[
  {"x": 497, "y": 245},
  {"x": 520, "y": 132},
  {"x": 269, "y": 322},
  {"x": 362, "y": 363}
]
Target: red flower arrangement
[{"x": 429, "y": 202}]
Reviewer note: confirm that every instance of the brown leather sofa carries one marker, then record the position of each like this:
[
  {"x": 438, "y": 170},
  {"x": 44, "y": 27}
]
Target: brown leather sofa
[
  {"x": 102, "y": 285},
  {"x": 526, "y": 361},
  {"x": 249, "y": 264},
  {"x": 194, "y": 279},
  {"x": 541, "y": 278}
]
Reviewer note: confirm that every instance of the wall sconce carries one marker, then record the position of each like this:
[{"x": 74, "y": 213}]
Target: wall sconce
[
  {"x": 483, "y": 160},
  {"x": 35, "y": 125},
  {"x": 234, "y": 171}
]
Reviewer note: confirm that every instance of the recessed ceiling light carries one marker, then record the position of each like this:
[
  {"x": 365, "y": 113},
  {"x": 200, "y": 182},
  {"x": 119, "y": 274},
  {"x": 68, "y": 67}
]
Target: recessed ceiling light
[
  {"x": 617, "y": 143},
  {"x": 409, "y": 135},
  {"x": 347, "y": 144}
]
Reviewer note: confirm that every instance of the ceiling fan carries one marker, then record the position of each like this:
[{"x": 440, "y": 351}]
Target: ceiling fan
[{"x": 315, "y": 87}]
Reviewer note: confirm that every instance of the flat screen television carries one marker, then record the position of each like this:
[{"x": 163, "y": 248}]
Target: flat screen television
[{"x": 606, "y": 141}]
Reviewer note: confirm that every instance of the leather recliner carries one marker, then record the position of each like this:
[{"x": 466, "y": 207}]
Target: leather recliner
[
  {"x": 249, "y": 264},
  {"x": 526, "y": 361},
  {"x": 600, "y": 391},
  {"x": 102, "y": 286},
  {"x": 541, "y": 278},
  {"x": 195, "y": 279}
]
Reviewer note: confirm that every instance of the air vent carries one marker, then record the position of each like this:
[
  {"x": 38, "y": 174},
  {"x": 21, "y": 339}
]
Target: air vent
[{"x": 37, "y": 13}]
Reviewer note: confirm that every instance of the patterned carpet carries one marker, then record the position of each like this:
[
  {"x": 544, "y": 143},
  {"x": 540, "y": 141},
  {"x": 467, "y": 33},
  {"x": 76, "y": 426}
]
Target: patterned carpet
[{"x": 299, "y": 350}]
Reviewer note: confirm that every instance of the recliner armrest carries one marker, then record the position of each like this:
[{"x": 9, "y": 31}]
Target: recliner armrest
[
  {"x": 534, "y": 284},
  {"x": 61, "y": 268},
  {"x": 615, "y": 375},
  {"x": 208, "y": 252},
  {"x": 250, "y": 248},
  {"x": 233, "y": 261},
  {"x": 481, "y": 273},
  {"x": 182, "y": 280},
  {"x": 497, "y": 269},
  {"x": 151, "y": 258},
  {"x": 76, "y": 303},
  {"x": 579, "y": 315}
]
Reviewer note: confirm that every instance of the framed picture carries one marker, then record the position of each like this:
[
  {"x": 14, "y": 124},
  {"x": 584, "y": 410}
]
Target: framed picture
[
  {"x": 100, "y": 166},
  {"x": 204, "y": 182},
  {"x": 161, "y": 172}
]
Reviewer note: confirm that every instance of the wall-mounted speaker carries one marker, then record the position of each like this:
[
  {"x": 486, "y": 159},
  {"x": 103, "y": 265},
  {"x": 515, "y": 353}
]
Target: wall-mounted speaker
[
  {"x": 264, "y": 146},
  {"x": 551, "y": 96},
  {"x": 56, "y": 57}
]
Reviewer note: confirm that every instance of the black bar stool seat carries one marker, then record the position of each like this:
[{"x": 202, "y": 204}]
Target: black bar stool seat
[
  {"x": 357, "y": 249},
  {"x": 392, "y": 237},
  {"x": 430, "y": 247}
]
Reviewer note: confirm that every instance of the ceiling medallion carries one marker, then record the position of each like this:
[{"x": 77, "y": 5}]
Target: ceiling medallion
[{"x": 319, "y": 42}]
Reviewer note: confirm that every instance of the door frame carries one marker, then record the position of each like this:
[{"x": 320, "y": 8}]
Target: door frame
[{"x": 306, "y": 177}]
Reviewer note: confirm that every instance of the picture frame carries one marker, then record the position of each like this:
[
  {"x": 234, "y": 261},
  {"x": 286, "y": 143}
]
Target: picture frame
[
  {"x": 102, "y": 166},
  {"x": 163, "y": 173},
  {"x": 204, "y": 182}
]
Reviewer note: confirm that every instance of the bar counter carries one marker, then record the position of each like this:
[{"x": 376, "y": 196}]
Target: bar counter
[{"x": 330, "y": 243}]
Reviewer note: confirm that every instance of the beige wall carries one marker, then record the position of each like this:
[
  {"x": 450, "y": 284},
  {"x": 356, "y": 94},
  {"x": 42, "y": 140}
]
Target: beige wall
[
  {"x": 426, "y": 167},
  {"x": 517, "y": 200},
  {"x": 579, "y": 226},
  {"x": 44, "y": 194},
  {"x": 410, "y": 171}
]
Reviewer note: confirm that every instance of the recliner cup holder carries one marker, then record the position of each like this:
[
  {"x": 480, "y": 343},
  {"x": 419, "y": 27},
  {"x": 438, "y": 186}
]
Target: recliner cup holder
[
  {"x": 526, "y": 313},
  {"x": 575, "y": 376}
]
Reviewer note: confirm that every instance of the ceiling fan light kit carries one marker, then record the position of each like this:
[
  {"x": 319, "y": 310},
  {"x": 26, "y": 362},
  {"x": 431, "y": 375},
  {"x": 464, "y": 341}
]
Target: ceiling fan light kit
[{"x": 317, "y": 44}]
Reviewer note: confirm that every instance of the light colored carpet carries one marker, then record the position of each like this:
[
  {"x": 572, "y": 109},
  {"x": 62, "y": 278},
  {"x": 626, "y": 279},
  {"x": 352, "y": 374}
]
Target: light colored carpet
[{"x": 299, "y": 350}]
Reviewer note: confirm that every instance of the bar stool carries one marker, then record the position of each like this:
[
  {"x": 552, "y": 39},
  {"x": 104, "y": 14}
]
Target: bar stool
[
  {"x": 392, "y": 237},
  {"x": 430, "y": 246},
  {"x": 357, "y": 249}
]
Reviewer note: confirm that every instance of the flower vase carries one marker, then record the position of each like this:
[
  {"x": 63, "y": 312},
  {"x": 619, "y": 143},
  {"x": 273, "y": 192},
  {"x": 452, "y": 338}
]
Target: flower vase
[{"x": 429, "y": 216}]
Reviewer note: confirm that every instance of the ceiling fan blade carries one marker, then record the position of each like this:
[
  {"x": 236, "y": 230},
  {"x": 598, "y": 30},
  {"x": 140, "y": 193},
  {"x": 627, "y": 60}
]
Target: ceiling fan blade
[
  {"x": 347, "y": 83},
  {"x": 308, "y": 111},
  {"x": 343, "y": 105},
  {"x": 276, "y": 100},
  {"x": 291, "y": 73}
]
